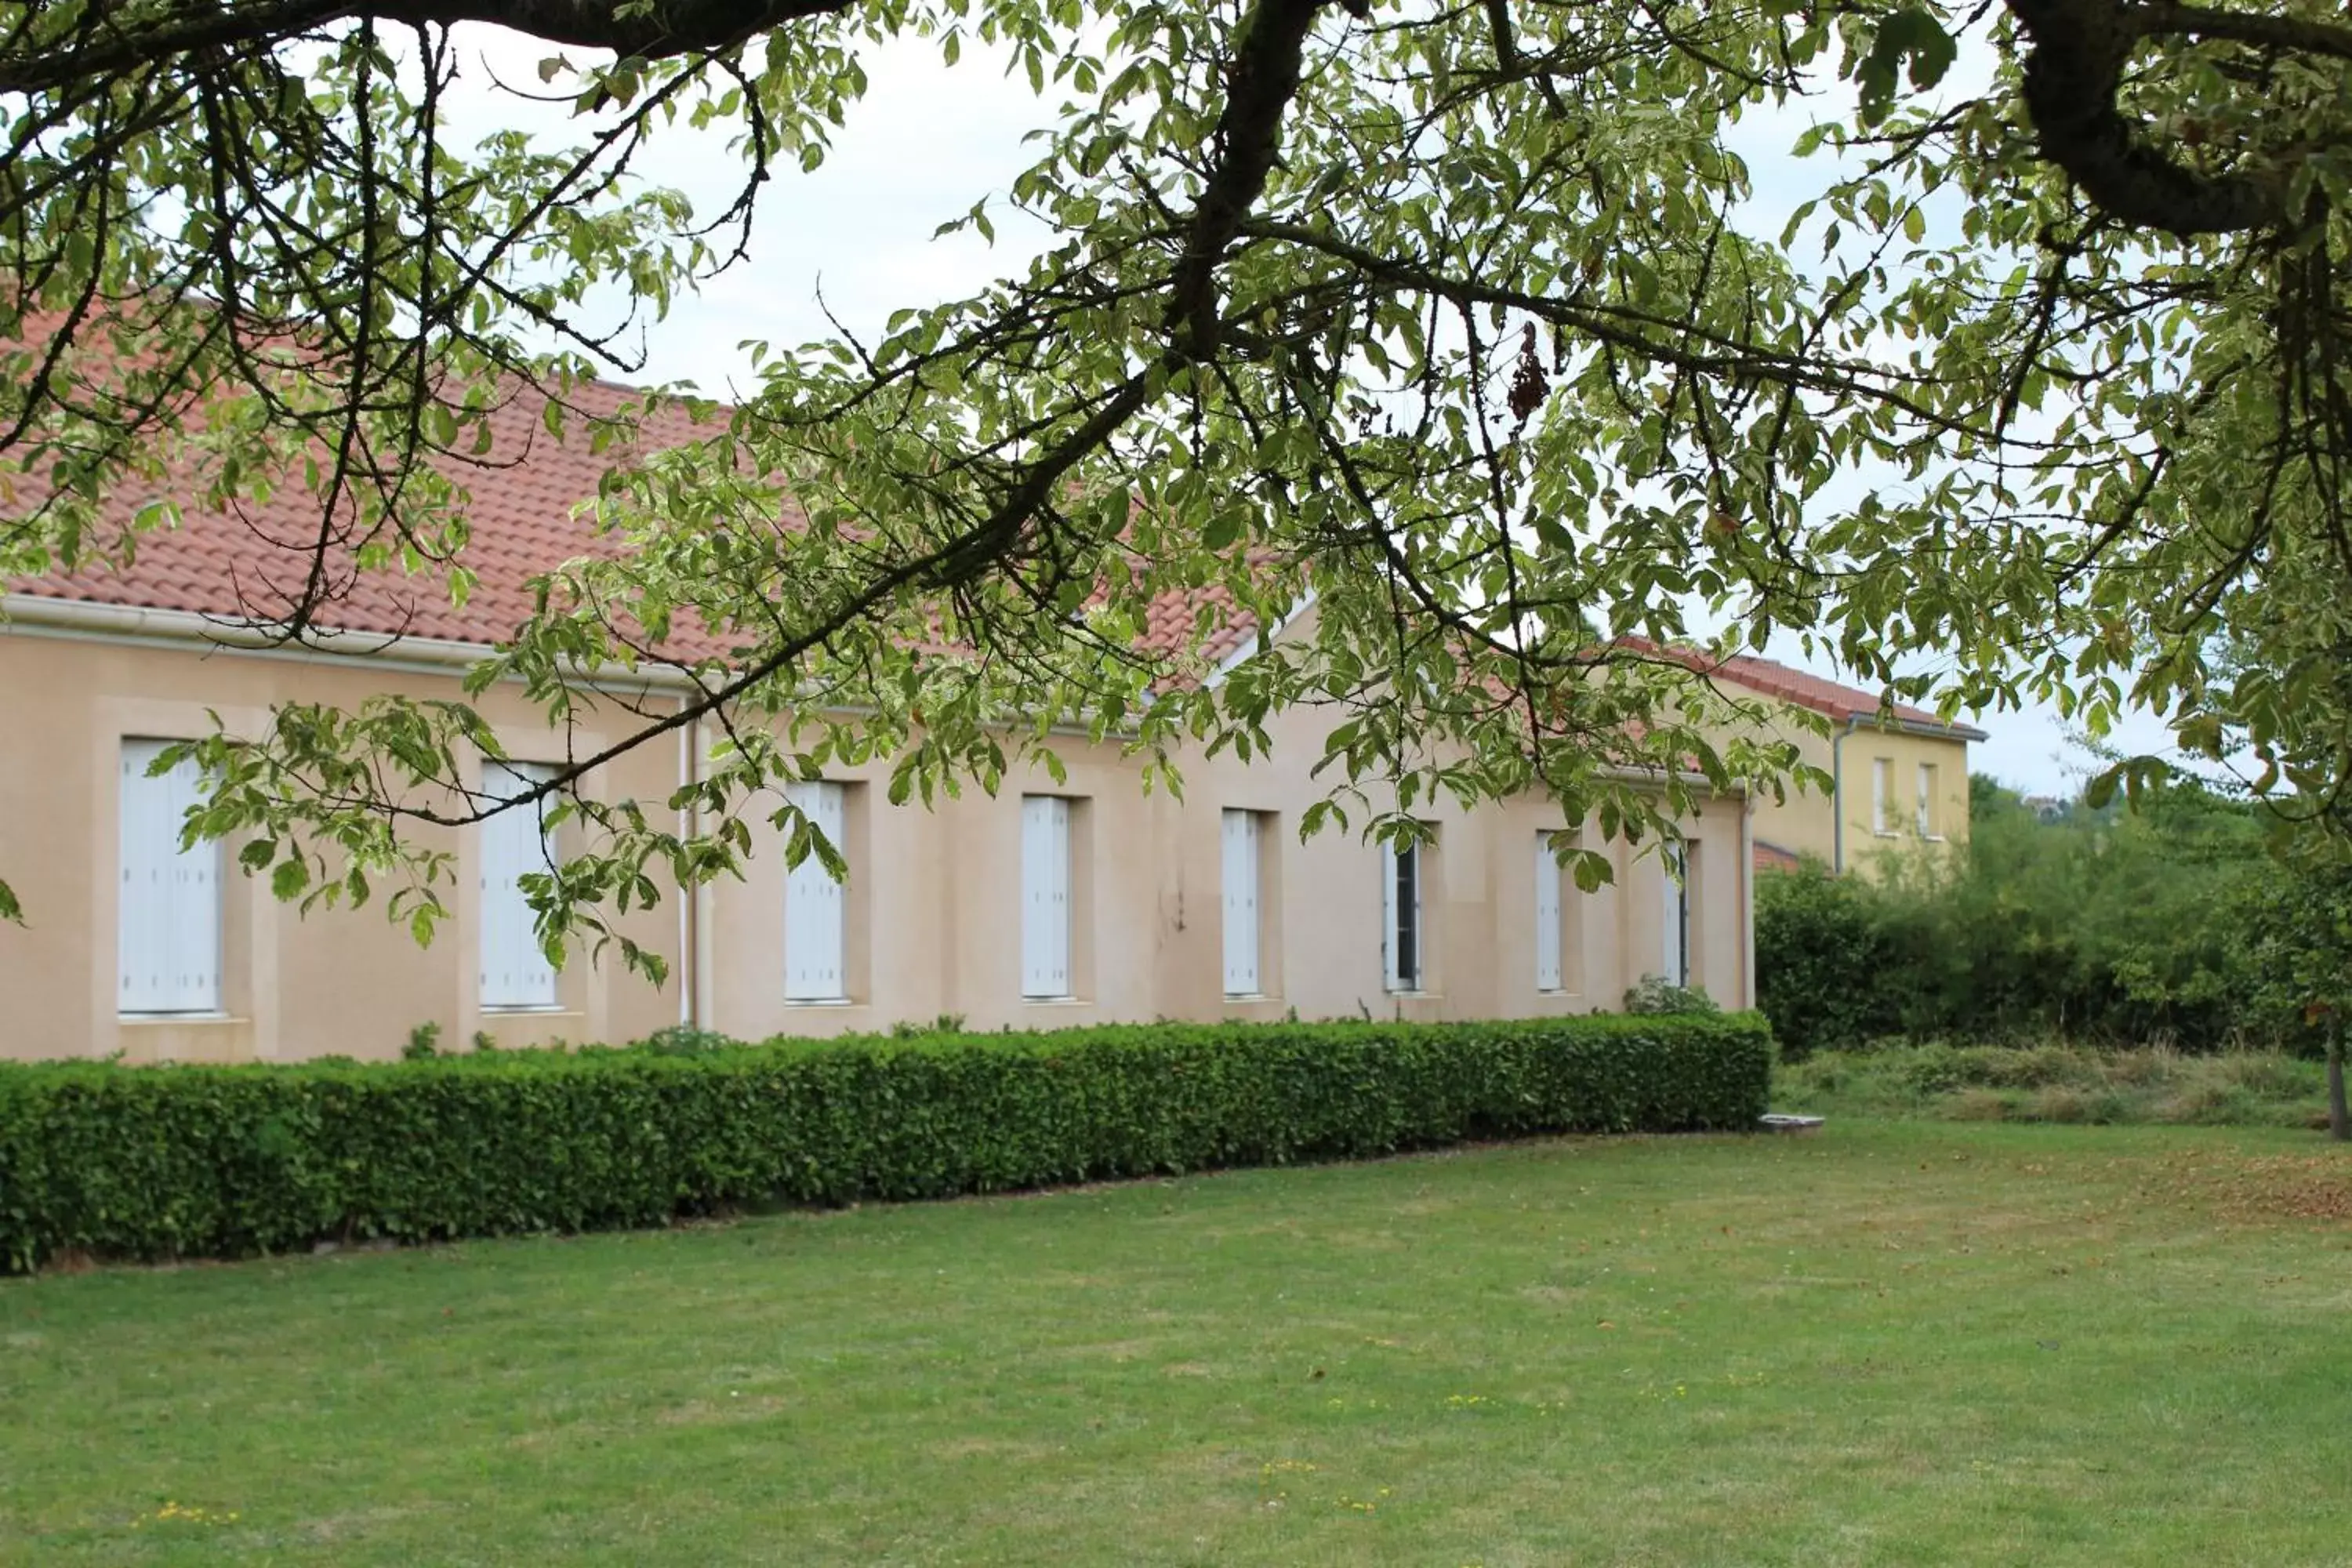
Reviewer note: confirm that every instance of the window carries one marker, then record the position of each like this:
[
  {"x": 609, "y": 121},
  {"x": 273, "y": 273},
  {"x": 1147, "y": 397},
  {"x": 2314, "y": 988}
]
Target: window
[
  {"x": 1927, "y": 800},
  {"x": 814, "y": 929},
  {"x": 1044, "y": 896},
  {"x": 1882, "y": 795},
  {"x": 1243, "y": 946},
  {"x": 1547, "y": 932},
  {"x": 515, "y": 971},
  {"x": 168, "y": 916},
  {"x": 1677, "y": 868},
  {"x": 1400, "y": 882}
]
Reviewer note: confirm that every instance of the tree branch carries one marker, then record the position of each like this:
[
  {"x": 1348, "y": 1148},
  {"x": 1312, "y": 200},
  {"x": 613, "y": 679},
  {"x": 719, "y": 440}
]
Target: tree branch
[
  {"x": 1262, "y": 81},
  {"x": 102, "y": 47},
  {"x": 2073, "y": 75},
  {"x": 2165, "y": 18}
]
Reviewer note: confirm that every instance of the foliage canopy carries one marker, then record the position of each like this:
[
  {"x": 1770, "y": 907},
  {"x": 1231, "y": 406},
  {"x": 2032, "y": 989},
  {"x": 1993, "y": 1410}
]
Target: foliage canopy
[{"x": 1460, "y": 318}]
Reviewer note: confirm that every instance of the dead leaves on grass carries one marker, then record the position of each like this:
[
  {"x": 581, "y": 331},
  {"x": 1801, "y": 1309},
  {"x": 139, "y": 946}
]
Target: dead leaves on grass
[{"x": 2253, "y": 1187}]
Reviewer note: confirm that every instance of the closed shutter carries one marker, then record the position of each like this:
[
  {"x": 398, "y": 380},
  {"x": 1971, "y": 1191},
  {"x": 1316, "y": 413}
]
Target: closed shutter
[
  {"x": 1241, "y": 904},
  {"x": 1390, "y": 975},
  {"x": 1044, "y": 896},
  {"x": 168, "y": 914},
  {"x": 515, "y": 972},
  {"x": 814, "y": 926},
  {"x": 1673, "y": 957},
  {"x": 1400, "y": 914},
  {"x": 1882, "y": 793},
  {"x": 1547, "y": 946}
]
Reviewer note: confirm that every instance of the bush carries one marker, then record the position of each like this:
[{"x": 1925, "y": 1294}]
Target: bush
[
  {"x": 2114, "y": 928},
  {"x": 1823, "y": 945},
  {"x": 183, "y": 1162},
  {"x": 1653, "y": 995}
]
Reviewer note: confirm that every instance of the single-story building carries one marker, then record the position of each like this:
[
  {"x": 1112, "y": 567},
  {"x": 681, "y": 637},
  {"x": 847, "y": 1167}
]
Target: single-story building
[{"x": 1053, "y": 903}]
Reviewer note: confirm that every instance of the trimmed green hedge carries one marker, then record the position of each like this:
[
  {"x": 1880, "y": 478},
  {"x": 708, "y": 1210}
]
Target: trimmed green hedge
[{"x": 185, "y": 1162}]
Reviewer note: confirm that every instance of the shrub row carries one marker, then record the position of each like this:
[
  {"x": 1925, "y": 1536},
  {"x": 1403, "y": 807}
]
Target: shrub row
[
  {"x": 185, "y": 1162},
  {"x": 2113, "y": 928}
]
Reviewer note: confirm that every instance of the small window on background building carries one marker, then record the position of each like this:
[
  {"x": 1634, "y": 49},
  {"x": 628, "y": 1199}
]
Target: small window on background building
[
  {"x": 815, "y": 927},
  {"x": 1044, "y": 896},
  {"x": 1400, "y": 882},
  {"x": 1882, "y": 795},
  {"x": 1242, "y": 937},
  {"x": 515, "y": 973},
  {"x": 168, "y": 910},
  {"x": 1927, "y": 800}
]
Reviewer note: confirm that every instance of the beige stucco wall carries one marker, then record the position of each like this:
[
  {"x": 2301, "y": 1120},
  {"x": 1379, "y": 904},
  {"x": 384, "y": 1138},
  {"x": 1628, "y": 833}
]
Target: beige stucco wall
[
  {"x": 339, "y": 981},
  {"x": 935, "y": 907},
  {"x": 932, "y": 906}
]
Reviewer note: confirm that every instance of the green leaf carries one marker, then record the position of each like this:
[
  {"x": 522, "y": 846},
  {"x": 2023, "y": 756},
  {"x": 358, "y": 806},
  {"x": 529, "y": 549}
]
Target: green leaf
[
  {"x": 287, "y": 882},
  {"x": 1910, "y": 40}
]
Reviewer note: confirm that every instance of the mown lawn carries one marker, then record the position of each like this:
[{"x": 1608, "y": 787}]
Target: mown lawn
[{"x": 1889, "y": 1344}]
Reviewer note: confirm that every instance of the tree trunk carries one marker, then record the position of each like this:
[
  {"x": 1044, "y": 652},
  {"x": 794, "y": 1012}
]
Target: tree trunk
[{"x": 2339, "y": 1118}]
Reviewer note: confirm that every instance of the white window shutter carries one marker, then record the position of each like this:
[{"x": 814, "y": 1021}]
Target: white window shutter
[
  {"x": 1059, "y": 844},
  {"x": 1403, "y": 943},
  {"x": 1390, "y": 976},
  {"x": 816, "y": 943},
  {"x": 196, "y": 909},
  {"x": 141, "y": 961},
  {"x": 168, "y": 916},
  {"x": 1548, "y": 976},
  {"x": 514, "y": 971},
  {"x": 1241, "y": 904},
  {"x": 1044, "y": 896},
  {"x": 833, "y": 817},
  {"x": 1882, "y": 790},
  {"x": 1034, "y": 896},
  {"x": 798, "y": 924},
  {"x": 1673, "y": 956}
]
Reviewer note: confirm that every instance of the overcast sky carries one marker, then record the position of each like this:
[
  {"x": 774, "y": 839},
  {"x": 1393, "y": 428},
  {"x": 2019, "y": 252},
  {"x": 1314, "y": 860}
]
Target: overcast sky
[{"x": 924, "y": 144}]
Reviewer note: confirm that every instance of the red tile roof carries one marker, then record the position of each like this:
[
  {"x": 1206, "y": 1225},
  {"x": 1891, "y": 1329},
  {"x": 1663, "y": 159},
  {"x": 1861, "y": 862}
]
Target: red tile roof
[
  {"x": 1772, "y": 679},
  {"x": 1175, "y": 616},
  {"x": 253, "y": 566}
]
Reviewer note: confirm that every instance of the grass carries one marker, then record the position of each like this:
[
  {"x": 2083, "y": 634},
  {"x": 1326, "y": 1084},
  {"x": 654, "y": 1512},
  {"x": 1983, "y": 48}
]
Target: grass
[
  {"x": 2058, "y": 1083},
  {"x": 1924, "y": 1343}
]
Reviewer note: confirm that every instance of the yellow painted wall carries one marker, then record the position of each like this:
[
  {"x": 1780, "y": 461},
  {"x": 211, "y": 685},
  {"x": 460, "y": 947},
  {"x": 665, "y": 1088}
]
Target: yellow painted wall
[
  {"x": 1807, "y": 821},
  {"x": 1868, "y": 840}
]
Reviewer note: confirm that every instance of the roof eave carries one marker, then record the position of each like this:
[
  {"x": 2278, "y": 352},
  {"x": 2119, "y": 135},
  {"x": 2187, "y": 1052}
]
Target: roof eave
[
  {"x": 1937, "y": 730},
  {"x": 36, "y": 615},
  {"x": 41, "y": 614}
]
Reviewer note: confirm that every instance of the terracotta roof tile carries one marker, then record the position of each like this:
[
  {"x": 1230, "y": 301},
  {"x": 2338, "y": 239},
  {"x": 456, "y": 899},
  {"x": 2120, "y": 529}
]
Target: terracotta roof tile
[
  {"x": 1772, "y": 678},
  {"x": 521, "y": 505},
  {"x": 1175, "y": 619},
  {"x": 254, "y": 564}
]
